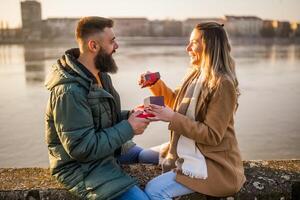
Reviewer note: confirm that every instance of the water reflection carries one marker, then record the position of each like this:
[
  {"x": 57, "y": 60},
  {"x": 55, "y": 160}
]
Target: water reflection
[
  {"x": 267, "y": 119},
  {"x": 5, "y": 54},
  {"x": 34, "y": 64},
  {"x": 35, "y": 58},
  {"x": 11, "y": 54},
  {"x": 272, "y": 53}
]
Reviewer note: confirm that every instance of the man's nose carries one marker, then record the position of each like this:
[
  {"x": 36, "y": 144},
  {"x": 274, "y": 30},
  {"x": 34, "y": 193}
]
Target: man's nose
[{"x": 116, "y": 46}]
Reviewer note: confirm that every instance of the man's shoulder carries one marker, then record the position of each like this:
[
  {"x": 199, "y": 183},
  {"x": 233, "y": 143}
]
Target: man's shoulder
[{"x": 70, "y": 88}]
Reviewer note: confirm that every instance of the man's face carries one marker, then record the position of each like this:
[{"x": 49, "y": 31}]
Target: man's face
[
  {"x": 104, "y": 60},
  {"x": 108, "y": 41},
  {"x": 195, "y": 48}
]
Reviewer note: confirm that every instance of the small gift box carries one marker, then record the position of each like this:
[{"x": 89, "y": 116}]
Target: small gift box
[
  {"x": 150, "y": 79},
  {"x": 157, "y": 100}
]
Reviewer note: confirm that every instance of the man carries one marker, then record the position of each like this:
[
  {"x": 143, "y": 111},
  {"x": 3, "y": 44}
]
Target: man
[{"x": 85, "y": 128}]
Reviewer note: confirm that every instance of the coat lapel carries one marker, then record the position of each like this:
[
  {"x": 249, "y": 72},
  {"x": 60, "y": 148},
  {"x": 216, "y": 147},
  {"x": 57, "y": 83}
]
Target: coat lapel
[{"x": 180, "y": 105}]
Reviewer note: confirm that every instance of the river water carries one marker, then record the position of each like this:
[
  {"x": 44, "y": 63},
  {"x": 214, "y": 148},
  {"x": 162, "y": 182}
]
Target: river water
[{"x": 267, "y": 121}]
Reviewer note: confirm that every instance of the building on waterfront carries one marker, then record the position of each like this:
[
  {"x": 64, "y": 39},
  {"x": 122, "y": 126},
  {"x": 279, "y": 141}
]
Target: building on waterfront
[
  {"x": 189, "y": 24},
  {"x": 35, "y": 29},
  {"x": 172, "y": 28},
  {"x": 283, "y": 29},
  {"x": 9, "y": 34},
  {"x": 59, "y": 28},
  {"x": 31, "y": 13},
  {"x": 268, "y": 28},
  {"x": 296, "y": 29},
  {"x": 166, "y": 28},
  {"x": 131, "y": 26},
  {"x": 156, "y": 28},
  {"x": 246, "y": 26}
]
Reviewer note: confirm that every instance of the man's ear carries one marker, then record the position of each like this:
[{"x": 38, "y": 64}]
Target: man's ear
[{"x": 92, "y": 46}]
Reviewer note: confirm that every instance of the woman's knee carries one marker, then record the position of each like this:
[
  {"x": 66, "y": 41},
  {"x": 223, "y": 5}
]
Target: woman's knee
[
  {"x": 159, "y": 188},
  {"x": 165, "y": 187},
  {"x": 153, "y": 191}
]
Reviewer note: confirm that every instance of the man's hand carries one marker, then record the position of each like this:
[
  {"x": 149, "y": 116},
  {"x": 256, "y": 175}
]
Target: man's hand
[{"x": 138, "y": 124}]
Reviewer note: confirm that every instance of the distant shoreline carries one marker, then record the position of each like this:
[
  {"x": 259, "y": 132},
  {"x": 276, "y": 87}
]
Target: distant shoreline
[{"x": 163, "y": 41}]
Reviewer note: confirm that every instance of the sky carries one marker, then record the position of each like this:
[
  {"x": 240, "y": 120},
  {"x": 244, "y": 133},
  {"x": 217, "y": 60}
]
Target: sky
[{"x": 287, "y": 10}]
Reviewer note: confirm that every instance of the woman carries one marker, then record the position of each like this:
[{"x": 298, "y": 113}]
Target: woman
[{"x": 201, "y": 122}]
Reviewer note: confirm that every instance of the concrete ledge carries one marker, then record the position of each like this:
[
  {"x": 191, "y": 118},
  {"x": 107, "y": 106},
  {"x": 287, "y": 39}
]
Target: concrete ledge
[{"x": 272, "y": 179}]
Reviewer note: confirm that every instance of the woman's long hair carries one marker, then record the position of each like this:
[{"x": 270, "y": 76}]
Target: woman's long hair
[{"x": 216, "y": 60}]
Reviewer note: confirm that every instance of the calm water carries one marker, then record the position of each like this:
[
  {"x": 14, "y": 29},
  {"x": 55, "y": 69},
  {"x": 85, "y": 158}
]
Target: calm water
[{"x": 267, "y": 122}]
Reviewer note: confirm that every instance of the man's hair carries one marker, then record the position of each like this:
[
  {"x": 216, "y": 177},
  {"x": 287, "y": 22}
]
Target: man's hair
[{"x": 88, "y": 26}]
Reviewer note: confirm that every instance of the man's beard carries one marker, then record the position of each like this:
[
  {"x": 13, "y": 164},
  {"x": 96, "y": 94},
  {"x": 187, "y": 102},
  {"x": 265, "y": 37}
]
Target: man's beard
[{"x": 105, "y": 62}]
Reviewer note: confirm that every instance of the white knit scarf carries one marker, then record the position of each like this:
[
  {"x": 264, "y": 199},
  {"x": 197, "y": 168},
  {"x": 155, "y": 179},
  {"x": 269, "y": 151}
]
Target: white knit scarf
[{"x": 194, "y": 164}]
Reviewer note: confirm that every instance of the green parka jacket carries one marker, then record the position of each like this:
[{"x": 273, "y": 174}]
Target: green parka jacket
[{"x": 85, "y": 129}]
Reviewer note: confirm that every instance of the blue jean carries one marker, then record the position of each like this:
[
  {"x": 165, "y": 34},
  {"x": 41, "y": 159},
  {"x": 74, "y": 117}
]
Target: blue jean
[
  {"x": 133, "y": 193},
  {"x": 164, "y": 187},
  {"x": 137, "y": 155}
]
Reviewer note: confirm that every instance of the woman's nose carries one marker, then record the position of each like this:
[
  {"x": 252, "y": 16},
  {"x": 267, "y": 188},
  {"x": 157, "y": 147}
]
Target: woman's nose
[{"x": 188, "y": 48}]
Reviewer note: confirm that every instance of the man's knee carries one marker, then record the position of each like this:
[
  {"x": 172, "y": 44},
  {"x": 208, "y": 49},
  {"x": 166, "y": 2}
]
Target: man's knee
[{"x": 148, "y": 156}]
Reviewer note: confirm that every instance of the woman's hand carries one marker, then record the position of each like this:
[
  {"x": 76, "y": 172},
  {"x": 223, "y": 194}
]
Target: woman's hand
[
  {"x": 162, "y": 113},
  {"x": 141, "y": 80}
]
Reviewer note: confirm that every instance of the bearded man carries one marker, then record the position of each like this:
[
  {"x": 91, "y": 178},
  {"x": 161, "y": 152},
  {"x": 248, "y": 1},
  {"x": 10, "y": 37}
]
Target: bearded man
[{"x": 86, "y": 131}]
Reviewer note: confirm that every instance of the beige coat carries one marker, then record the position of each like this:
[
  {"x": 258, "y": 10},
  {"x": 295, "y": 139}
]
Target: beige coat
[{"x": 214, "y": 134}]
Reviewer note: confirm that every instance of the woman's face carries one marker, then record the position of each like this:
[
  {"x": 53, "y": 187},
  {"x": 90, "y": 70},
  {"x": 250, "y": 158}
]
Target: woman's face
[{"x": 195, "y": 47}]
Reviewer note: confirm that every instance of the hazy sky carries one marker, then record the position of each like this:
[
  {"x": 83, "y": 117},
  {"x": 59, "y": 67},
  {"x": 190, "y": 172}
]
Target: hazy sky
[{"x": 157, "y": 9}]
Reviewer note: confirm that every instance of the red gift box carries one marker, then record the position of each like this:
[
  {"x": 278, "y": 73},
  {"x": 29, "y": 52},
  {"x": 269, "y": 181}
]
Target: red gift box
[
  {"x": 144, "y": 114},
  {"x": 150, "y": 79}
]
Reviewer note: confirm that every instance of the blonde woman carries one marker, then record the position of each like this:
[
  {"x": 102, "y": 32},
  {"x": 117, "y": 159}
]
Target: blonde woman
[{"x": 203, "y": 148}]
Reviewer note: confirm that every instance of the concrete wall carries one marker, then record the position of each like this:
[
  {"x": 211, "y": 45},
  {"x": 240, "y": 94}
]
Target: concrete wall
[{"x": 274, "y": 179}]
